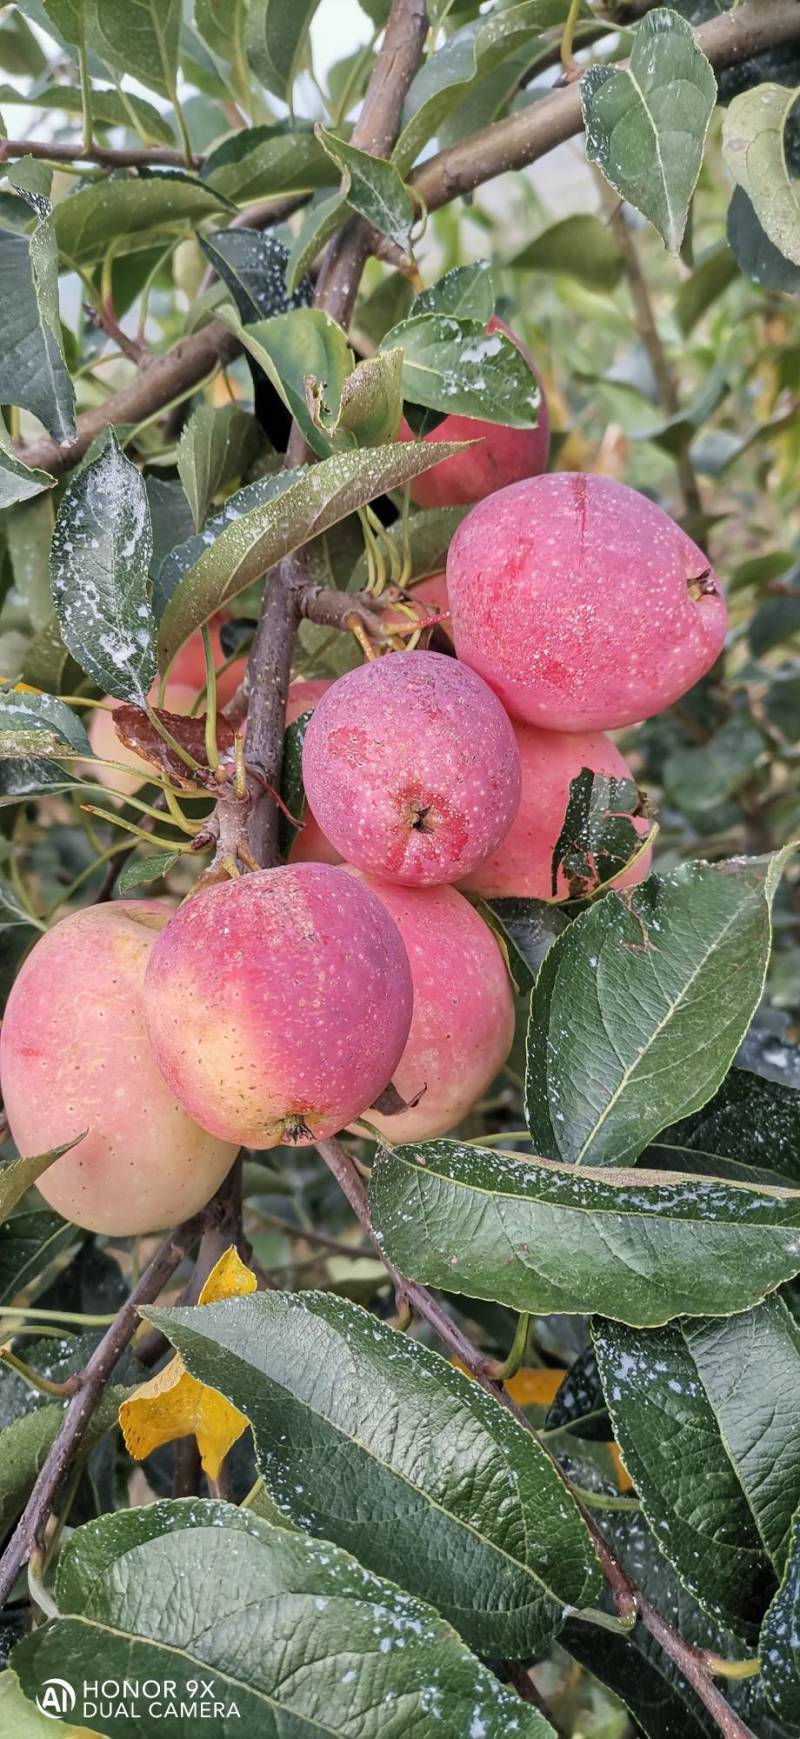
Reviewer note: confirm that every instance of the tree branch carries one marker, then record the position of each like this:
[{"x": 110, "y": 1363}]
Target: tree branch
[
  {"x": 107, "y": 156},
  {"x": 29, "y": 1532},
  {"x": 629, "y": 1599}
]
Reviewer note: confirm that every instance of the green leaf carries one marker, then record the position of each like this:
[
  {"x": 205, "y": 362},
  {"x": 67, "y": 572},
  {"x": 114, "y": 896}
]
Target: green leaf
[
  {"x": 476, "y": 49},
  {"x": 216, "y": 448},
  {"x": 321, "y": 218},
  {"x": 466, "y": 292},
  {"x": 253, "y": 263},
  {"x": 138, "y": 37},
  {"x": 688, "y": 952},
  {"x": 455, "y": 366},
  {"x": 264, "y": 1601},
  {"x": 266, "y": 162},
  {"x": 18, "y": 1175},
  {"x": 708, "y": 281},
  {"x": 646, "y": 124},
  {"x": 13, "y": 914},
  {"x": 670, "y": 1442},
  {"x": 371, "y": 403},
  {"x": 345, "y": 1413},
  {"x": 28, "y": 1243},
  {"x": 108, "y": 108},
  {"x": 100, "y": 563},
  {"x": 373, "y": 187},
  {"x": 275, "y": 41},
  {"x": 429, "y": 536},
  {"x": 33, "y": 372},
  {"x": 598, "y": 837},
  {"x": 749, "y": 1131},
  {"x": 754, "y": 148},
  {"x": 22, "y": 1719},
  {"x": 701, "y": 778},
  {"x": 757, "y": 256},
  {"x": 184, "y": 554},
  {"x": 27, "y": 1441},
  {"x": 640, "y": 1247},
  {"x": 38, "y": 724},
  {"x": 749, "y": 1367},
  {"x": 779, "y": 1646},
  {"x": 292, "y": 787},
  {"x": 118, "y": 208},
  {"x": 578, "y": 247},
  {"x": 146, "y": 869},
  {"x": 525, "y": 929},
  {"x": 306, "y": 356},
  {"x": 17, "y": 481},
  {"x": 310, "y": 502}
]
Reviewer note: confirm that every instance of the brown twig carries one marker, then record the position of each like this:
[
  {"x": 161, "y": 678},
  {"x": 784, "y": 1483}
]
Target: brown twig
[
  {"x": 29, "y": 1532},
  {"x": 631, "y": 1603},
  {"x": 107, "y": 156}
]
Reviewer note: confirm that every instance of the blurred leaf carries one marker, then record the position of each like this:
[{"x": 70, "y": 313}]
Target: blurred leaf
[
  {"x": 310, "y": 501},
  {"x": 268, "y": 162},
  {"x": 775, "y": 621},
  {"x": 688, "y": 951},
  {"x": 261, "y": 1596},
  {"x": 757, "y": 256},
  {"x": 339, "y": 1405},
  {"x": 689, "y": 1490},
  {"x": 700, "y": 778},
  {"x": 38, "y": 724},
  {"x": 455, "y": 366},
  {"x": 389, "y": 302},
  {"x": 754, "y": 149},
  {"x": 140, "y": 39},
  {"x": 640, "y": 1247},
  {"x": 33, "y": 371},
  {"x": 579, "y": 247},
  {"x": 22, "y": 1720},
  {"x": 373, "y": 187},
  {"x": 450, "y": 72},
  {"x": 100, "y": 564},
  {"x": 28, "y": 1243},
  {"x": 276, "y": 37},
  {"x": 253, "y": 264},
  {"x": 119, "y": 207},
  {"x": 782, "y": 707},
  {"x": 12, "y": 912},
  {"x": 216, "y": 447},
  {"x": 708, "y": 281},
  {"x": 108, "y": 108},
  {"x": 646, "y": 124},
  {"x": 18, "y": 1175},
  {"x": 749, "y": 1131}
]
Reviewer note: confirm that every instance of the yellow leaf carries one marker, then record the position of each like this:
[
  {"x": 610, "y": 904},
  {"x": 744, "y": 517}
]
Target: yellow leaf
[
  {"x": 624, "y": 1481},
  {"x": 529, "y": 1387},
  {"x": 173, "y": 1404}
]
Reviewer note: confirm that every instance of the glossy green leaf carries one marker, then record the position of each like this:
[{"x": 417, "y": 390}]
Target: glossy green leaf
[
  {"x": 216, "y": 447},
  {"x": 276, "y": 37},
  {"x": 114, "y": 209},
  {"x": 18, "y": 1175},
  {"x": 779, "y": 1646},
  {"x": 264, "y": 1602},
  {"x": 757, "y": 256},
  {"x": 475, "y": 49},
  {"x": 253, "y": 264},
  {"x": 33, "y": 372},
  {"x": 355, "y": 1423},
  {"x": 749, "y": 1131},
  {"x": 39, "y": 724},
  {"x": 28, "y": 1242},
  {"x": 373, "y": 187},
  {"x": 310, "y": 502},
  {"x": 138, "y": 37},
  {"x": 688, "y": 951},
  {"x": 753, "y": 145},
  {"x": 268, "y": 162},
  {"x": 306, "y": 356},
  {"x": 526, "y": 929},
  {"x": 455, "y": 366},
  {"x": 749, "y": 1366},
  {"x": 100, "y": 564},
  {"x": 646, "y": 124},
  {"x": 640, "y": 1247},
  {"x": 466, "y": 292},
  {"x": 579, "y": 247},
  {"x": 579, "y": 1405},
  {"x": 670, "y": 1441},
  {"x": 183, "y": 554}
]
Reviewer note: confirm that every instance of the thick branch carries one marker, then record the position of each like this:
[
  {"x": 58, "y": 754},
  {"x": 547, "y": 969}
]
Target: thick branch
[
  {"x": 628, "y": 1598},
  {"x": 268, "y": 670},
  {"x": 29, "y": 1532}
]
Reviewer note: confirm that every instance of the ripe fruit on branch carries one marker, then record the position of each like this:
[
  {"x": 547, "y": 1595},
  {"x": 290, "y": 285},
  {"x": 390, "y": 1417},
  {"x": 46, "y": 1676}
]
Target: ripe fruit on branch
[
  {"x": 411, "y": 768},
  {"x": 550, "y": 760},
  {"x": 75, "y": 1055},
  {"x": 463, "y": 1021},
  {"x": 278, "y": 1005},
  {"x": 582, "y": 603},
  {"x": 503, "y": 456}
]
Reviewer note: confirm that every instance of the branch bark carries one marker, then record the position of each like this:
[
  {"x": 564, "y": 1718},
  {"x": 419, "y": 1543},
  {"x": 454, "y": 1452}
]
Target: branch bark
[
  {"x": 629, "y": 1599},
  {"x": 107, "y": 156}
]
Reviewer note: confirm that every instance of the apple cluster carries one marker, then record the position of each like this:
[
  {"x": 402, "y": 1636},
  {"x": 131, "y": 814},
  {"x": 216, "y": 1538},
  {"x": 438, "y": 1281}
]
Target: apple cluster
[{"x": 280, "y": 1006}]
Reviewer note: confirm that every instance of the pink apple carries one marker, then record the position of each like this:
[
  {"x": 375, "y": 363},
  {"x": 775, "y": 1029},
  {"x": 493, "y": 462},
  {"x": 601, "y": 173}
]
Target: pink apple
[{"x": 582, "y": 603}]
